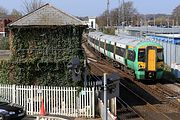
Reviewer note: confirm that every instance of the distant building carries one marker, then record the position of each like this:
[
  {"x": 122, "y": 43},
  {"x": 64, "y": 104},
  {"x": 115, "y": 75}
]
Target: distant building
[
  {"x": 4, "y": 20},
  {"x": 90, "y": 21}
]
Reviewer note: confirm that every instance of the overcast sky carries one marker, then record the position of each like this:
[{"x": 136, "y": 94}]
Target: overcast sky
[{"x": 96, "y": 7}]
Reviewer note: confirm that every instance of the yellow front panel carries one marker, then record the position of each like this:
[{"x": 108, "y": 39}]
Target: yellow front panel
[
  {"x": 151, "y": 60},
  {"x": 141, "y": 65},
  {"x": 130, "y": 46}
]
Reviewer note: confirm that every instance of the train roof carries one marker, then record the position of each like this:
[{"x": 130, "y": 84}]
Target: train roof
[{"x": 123, "y": 39}]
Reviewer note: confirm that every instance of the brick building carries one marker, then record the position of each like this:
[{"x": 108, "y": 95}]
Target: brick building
[{"x": 4, "y": 20}]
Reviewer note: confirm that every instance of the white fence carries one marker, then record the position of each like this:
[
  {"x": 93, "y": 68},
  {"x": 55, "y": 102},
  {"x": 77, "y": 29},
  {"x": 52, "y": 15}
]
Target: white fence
[{"x": 66, "y": 101}]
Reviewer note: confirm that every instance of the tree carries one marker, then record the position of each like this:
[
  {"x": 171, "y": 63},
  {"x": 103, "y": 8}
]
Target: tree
[
  {"x": 32, "y": 5},
  {"x": 125, "y": 13},
  {"x": 128, "y": 12},
  {"x": 102, "y": 19},
  {"x": 176, "y": 15},
  {"x": 16, "y": 13},
  {"x": 3, "y": 11}
]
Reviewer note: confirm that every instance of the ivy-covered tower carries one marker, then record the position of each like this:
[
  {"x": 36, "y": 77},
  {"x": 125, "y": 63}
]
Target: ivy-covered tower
[{"x": 43, "y": 43}]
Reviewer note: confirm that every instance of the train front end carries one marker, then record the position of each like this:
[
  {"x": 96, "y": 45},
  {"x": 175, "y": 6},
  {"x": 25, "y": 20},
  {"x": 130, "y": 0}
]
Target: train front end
[{"x": 150, "y": 61}]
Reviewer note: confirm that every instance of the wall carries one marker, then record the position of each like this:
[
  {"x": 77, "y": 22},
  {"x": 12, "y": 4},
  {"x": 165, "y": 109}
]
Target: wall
[
  {"x": 171, "y": 52},
  {"x": 92, "y": 21}
]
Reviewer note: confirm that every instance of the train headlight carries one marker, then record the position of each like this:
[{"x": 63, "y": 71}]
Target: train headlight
[{"x": 140, "y": 66}]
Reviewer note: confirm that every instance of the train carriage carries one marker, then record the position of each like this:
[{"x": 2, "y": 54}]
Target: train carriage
[{"x": 144, "y": 58}]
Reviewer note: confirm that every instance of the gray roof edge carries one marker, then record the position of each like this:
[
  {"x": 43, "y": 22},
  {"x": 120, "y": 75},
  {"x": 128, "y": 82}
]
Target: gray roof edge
[
  {"x": 68, "y": 14},
  {"x": 14, "y": 23}
]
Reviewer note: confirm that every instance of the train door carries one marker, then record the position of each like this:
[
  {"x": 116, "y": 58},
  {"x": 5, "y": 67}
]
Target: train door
[
  {"x": 151, "y": 58},
  {"x": 108, "y": 53},
  {"x": 151, "y": 62},
  {"x": 131, "y": 56},
  {"x": 120, "y": 53},
  {"x": 105, "y": 47}
]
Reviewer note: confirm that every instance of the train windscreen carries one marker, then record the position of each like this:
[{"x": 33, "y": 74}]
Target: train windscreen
[
  {"x": 160, "y": 55},
  {"x": 141, "y": 55}
]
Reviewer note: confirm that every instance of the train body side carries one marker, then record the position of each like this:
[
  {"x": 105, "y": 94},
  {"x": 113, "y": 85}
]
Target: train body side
[{"x": 129, "y": 53}]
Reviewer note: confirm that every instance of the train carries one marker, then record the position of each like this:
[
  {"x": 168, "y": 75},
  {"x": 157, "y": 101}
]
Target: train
[{"x": 142, "y": 58}]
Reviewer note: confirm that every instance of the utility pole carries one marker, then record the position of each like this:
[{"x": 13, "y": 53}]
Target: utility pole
[
  {"x": 154, "y": 20},
  {"x": 119, "y": 17},
  {"x": 107, "y": 13},
  {"x": 123, "y": 13},
  {"x": 168, "y": 22},
  {"x": 119, "y": 13}
]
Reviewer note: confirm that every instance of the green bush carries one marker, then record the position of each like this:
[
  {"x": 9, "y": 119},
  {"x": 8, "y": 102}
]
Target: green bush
[
  {"x": 109, "y": 30},
  {"x": 40, "y": 56}
]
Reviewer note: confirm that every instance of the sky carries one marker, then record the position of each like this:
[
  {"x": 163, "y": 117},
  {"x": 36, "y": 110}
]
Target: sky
[{"x": 96, "y": 7}]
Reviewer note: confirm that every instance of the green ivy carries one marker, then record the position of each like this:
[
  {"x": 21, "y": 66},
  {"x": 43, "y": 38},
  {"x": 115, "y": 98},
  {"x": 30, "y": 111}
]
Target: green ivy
[{"x": 41, "y": 55}]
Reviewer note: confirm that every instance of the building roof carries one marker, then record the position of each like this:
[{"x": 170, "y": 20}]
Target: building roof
[
  {"x": 154, "y": 29},
  {"x": 169, "y": 35},
  {"x": 47, "y": 15}
]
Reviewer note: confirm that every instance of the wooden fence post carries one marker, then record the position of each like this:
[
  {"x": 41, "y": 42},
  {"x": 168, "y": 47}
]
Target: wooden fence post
[
  {"x": 32, "y": 100},
  {"x": 13, "y": 93}
]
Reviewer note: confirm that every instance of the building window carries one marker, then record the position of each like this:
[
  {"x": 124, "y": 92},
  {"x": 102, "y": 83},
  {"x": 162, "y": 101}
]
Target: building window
[{"x": 92, "y": 24}]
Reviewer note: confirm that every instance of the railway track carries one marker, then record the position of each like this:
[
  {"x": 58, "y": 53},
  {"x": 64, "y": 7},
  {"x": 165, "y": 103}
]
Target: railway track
[
  {"x": 142, "y": 106},
  {"x": 144, "y": 111},
  {"x": 163, "y": 94},
  {"x": 124, "y": 111}
]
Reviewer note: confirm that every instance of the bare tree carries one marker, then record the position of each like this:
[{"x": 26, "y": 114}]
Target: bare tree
[
  {"x": 32, "y": 5},
  {"x": 176, "y": 15},
  {"x": 16, "y": 13},
  {"x": 3, "y": 11},
  {"x": 128, "y": 12},
  {"x": 102, "y": 19},
  {"x": 125, "y": 13}
]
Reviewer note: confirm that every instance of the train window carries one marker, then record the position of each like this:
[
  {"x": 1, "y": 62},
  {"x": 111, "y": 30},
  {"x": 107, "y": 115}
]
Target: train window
[
  {"x": 141, "y": 55},
  {"x": 97, "y": 42},
  {"x": 131, "y": 55},
  {"x": 120, "y": 51},
  {"x": 101, "y": 44},
  {"x": 160, "y": 55},
  {"x": 110, "y": 48}
]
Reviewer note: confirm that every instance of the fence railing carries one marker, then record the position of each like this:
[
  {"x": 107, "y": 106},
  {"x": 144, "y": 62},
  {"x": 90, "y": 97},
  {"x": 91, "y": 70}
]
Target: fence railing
[{"x": 66, "y": 101}]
